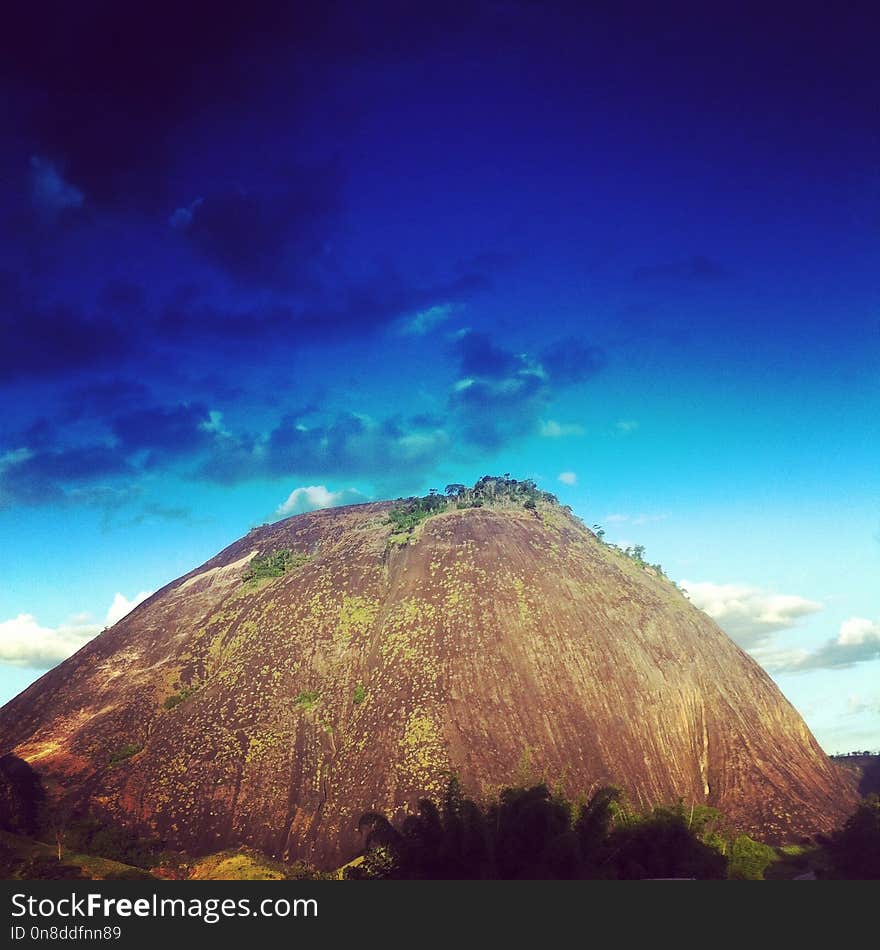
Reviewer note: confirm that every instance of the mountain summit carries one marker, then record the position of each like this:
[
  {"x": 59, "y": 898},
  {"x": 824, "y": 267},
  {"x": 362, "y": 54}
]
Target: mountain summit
[{"x": 352, "y": 658}]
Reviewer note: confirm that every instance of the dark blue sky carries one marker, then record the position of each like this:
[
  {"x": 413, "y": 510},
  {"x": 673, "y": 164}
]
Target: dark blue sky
[{"x": 369, "y": 248}]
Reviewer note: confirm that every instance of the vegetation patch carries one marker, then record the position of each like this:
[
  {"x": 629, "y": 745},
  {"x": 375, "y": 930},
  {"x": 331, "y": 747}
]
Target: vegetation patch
[
  {"x": 307, "y": 699},
  {"x": 274, "y": 565},
  {"x": 125, "y": 752},
  {"x": 531, "y": 832},
  {"x": 360, "y": 694},
  {"x": 244, "y": 865},
  {"x": 26, "y": 859},
  {"x": 636, "y": 553},
  {"x": 424, "y": 754},
  {"x": 356, "y": 615},
  {"x": 749, "y": 859},
  {"x": 175, "y": 699},
  {"x": 489, "y": 491}
]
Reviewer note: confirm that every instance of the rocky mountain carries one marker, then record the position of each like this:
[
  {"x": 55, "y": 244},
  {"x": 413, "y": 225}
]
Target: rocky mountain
[{"x": 350, "y": 659}]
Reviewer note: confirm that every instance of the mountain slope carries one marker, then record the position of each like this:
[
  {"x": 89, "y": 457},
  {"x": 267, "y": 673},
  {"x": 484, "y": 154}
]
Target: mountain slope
[{"x": 496, "y": 641}]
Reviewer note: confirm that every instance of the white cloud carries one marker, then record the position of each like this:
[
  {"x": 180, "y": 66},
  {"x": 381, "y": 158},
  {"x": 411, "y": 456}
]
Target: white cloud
[
  {"x": 626, "y": 426},
  {"x": 50, "y": 191},
  {"x": 568, "y": 478},
  {"x": 858, "y": 630},
  {"x": 310, "y": 497},
  {"x": 857, "y": 641},
  {"x": 122, "y": 605},
  {"x": 418, "y": 324},
  {"x": 551, "y": 429},
  {"x": 749, "y": 615},
  {"x": 24, "y": 642},
  {"x": 776, "y": 659}
]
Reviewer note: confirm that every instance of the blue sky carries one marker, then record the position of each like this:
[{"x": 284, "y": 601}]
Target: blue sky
[{"x": 366, "y": 252}]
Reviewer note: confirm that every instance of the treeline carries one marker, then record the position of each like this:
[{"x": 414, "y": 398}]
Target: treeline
[
  {"x": 635, "y": 552},
  {"x": 535, "y": 833},
  {"x": 538, "y": 834},
  {"x": 528, "y": 833},
  {"x": 486, "y": 491}
]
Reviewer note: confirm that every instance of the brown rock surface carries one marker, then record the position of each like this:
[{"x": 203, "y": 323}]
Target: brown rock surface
[{"x": 499, "y": 641}]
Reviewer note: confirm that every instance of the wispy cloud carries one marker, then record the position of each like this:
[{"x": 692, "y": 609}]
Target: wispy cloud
[
  {"x": 568, "y": 478},
  {"x": 551, "y": 429},
  {"x": 422, "y": 322},
  {"x": 621, "y": 518},
  {"x": 49, "y": 189},
  {"x": 857, "y": 704}
]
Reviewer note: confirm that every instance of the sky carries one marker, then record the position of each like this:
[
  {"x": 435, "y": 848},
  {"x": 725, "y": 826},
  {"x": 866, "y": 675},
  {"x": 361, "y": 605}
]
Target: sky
[{"x": 261, "y": 260}]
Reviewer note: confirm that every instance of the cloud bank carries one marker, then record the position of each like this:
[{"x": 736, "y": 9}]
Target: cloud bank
[
  {"x": 25, "y": 642},
  {"x": 752, "y": 617},
  {"x": 749, "y": 615}
]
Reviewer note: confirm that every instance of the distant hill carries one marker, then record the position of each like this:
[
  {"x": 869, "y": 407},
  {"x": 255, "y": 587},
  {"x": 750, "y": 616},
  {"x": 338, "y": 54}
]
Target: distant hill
[{"x": 350, "y": 659}]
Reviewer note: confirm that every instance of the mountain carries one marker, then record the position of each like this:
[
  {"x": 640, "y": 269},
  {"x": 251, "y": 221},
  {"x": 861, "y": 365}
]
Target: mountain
[{"x": 350, "y": 659}]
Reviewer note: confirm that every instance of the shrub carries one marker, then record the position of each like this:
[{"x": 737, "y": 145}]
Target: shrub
[
  {"x": 360, "y": 694},
  {"x": 177, "y": 698},
  {"x": 307, "y": 699},
  {"x": 749, "y": 859},
  {"x": 125, "y": 752}
]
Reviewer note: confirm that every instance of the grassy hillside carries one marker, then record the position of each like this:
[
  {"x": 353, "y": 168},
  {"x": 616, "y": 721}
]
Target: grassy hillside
[
  {"x": 28, "y": 859},
  {"x": 238, "y": 865}
]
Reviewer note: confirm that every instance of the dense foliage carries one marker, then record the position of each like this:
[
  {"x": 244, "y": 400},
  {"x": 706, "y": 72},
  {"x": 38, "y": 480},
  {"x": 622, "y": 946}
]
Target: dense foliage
[
  {"x": 749, "y": 859},
  {"x": 21, "y": 795},
  {"x": 91, "y": 836},
  {"x": 854, "y": 849},
  {"x": 534, "y": 833}
]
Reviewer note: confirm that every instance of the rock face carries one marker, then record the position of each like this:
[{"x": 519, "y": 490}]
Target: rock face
[{"x": 499, "y": 643}]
